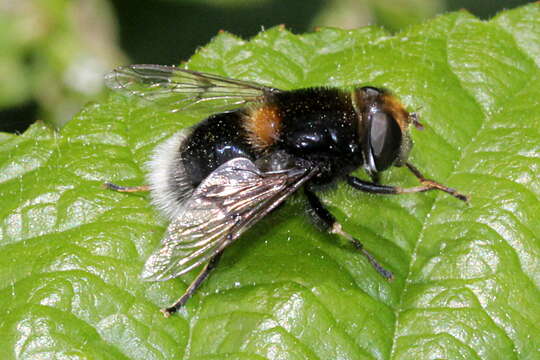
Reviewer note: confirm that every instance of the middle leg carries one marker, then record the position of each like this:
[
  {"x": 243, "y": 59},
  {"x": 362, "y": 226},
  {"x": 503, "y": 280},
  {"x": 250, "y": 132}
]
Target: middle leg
[{"x": 334, "y": 227}]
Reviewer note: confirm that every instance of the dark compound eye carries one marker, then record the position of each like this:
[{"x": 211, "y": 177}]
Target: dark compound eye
[{"x": 385, "y": 139}]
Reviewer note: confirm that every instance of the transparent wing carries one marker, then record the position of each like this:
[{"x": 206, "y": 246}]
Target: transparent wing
[
  {"x": 224, "y": 205},
  {"x": 180, "y": 89}
]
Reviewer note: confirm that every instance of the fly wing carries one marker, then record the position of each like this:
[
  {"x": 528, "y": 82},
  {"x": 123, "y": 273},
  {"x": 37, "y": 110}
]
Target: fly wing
[
  {"x": 180, "y": 89},
  {"x": 224, "y": 205}
]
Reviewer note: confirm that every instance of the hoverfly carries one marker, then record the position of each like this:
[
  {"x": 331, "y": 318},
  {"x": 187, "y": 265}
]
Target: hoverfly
[{"x": 219, "y": 177}]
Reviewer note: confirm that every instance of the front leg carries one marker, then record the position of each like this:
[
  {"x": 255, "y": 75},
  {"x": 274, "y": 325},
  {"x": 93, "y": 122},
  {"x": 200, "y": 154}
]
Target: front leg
[
  {"x": 433, "y": 185},
  {"x": 427, "y": 185},
  {"x": 334, "y": 227}
]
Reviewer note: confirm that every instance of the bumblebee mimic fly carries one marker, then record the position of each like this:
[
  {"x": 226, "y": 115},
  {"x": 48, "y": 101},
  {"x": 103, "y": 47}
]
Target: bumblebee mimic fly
[{"x": 218, "y": 178}]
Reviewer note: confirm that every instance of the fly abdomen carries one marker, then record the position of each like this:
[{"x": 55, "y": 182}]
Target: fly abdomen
[{"x": 213, "y": 142}]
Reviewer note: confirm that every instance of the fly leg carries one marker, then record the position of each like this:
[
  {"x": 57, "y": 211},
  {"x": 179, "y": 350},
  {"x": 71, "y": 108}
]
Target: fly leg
[
  {"x": 431, "y": 184},
  {"x": 119, "y": 188},
  {"x": 334, "y": 227},
  {"x": 193, "y": 286},
  {"x": 427, "y": 185},
  {"x": 198, "y": 280}
]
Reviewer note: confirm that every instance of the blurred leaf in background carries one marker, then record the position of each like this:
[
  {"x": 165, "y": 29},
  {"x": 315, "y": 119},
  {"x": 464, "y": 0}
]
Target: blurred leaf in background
[
  {"x": 393, "y": 15},
  {"x": 53, "y": 54}
]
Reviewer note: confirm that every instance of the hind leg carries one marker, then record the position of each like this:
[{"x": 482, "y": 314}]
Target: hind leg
[{"x": 119, "y": 188}]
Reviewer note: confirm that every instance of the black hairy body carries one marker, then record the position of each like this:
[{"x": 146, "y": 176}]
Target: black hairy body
[{"x": 316, "y": 125}]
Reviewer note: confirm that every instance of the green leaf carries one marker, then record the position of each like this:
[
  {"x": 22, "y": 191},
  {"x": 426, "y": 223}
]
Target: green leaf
[{"x": 467, "y": 277}]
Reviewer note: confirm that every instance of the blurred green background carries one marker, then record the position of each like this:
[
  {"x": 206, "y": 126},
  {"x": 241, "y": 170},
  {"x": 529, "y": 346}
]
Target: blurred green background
[{"x": 53, "y": 53}]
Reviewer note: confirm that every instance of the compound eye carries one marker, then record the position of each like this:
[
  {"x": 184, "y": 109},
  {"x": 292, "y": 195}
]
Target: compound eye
[{"x": 385, "y": 140}]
